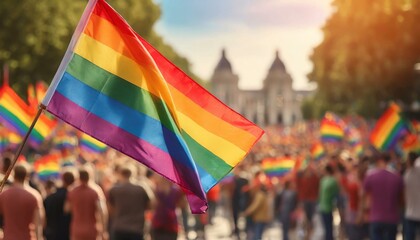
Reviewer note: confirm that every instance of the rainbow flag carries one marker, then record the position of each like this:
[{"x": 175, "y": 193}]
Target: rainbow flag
[
  {"x": 9, "y": 139},
  {"x": 332, "y": 128},
  {"x": 388, "y": 129},
  {"x": 317, "y": 151},
  {"x": 18, "y": 116},
  {"x": 48, "y": 166},
  {"x": 117, "y": 88},
  {"x": 90, "y": 144},
  {"x": 411, "y": 143},
  {"x": 277, "y": 167}
]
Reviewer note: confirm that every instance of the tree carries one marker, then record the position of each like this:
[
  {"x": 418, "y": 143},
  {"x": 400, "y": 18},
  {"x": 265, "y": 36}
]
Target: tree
[
  {"x": 34, "y": 35},
  {"x": 367, "y": 56}
]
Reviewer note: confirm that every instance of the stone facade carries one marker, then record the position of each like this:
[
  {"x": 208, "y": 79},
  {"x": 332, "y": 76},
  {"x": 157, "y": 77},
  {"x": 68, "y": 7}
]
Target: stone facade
[{"x": 275, "y": 103}]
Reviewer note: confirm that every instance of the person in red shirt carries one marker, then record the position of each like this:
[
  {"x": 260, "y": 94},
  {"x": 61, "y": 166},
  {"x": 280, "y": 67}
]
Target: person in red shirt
[
  {"x": 22, "y": 209},
  {"x": 307, "y": 183},
  {"x": 84, "y": 204}
]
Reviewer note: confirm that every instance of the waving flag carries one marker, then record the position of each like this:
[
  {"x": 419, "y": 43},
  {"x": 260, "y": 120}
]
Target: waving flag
[
  {"x": 332, "y": 128},
  {"x": 317, "y": 151},
  {"x": 18, "y": 116},
  {"x": 388, "y": 129},
  {"x": 117, "y": 88},
  {"x": 47, "y": 166},
  {"x": 277, "y": 167}
]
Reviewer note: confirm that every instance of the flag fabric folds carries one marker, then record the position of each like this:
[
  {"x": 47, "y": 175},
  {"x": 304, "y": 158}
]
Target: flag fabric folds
[
  {"x": 117, "y": 88},
  {"x": 388, "y": 129}
]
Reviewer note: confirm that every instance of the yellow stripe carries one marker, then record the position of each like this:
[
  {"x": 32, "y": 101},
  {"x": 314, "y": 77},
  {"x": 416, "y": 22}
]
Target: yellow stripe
[
  {"x": 9, "y": 104},
  {"x": 107, "y": 34},
  {"x": 117, "y": 64},
  {"x": 212, "y": 124},
  {"x": 106, "y": 58},
  {"x": 230, "y": 153}
]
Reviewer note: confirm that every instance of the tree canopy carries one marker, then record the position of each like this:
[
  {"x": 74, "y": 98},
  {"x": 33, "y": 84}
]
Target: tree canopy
[
  {"x": 34, "y": 35},
  {"x": 367, "y": 57}
]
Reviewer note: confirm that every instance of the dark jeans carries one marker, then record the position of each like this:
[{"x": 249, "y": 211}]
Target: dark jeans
[
  {"x": 258, "y": 230},
  {"x": 411, "y": 227},
  {"x": 285, "y": 223},
  {"x": 327, "y": 221},
  {"x": 382, "y": 231},
  {"x": 122, "y": 235}
]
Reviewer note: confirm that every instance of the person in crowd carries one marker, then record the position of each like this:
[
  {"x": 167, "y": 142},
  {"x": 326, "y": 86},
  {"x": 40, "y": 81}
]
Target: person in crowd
[
  {"x": 213, "y": 196},
  {"x": 259, "y": 207},
  {"x": 352, "y": 187},
  {"x": 57, "y": 221},
  {"x": 286, "y": 203},
  {"x": 21, "y": 208},
  {"x": 127, "y": 204},
  {"x": 328, "y": 192},
  {"x": 239, "y": 198},
  {"x": 83, "y": 202},
  {"x": 412, "y": 197},
  {"x": 165, "y": 220},
  {"x": 384, "y": 188},
  {"x": 307, "y": 184}
]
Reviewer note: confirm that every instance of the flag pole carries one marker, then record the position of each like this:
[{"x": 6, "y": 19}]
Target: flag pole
[{"x": 19, "y": 151}]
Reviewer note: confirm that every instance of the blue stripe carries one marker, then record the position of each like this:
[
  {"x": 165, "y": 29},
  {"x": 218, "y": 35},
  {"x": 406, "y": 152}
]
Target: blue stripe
[{"x": 120, "y": 115}]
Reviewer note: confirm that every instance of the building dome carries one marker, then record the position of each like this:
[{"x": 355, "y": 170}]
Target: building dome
[
  {"x": 223, "y": 64},
  {"x": 277, "y": 64}
]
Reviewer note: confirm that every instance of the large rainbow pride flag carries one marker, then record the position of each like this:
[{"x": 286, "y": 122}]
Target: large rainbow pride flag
[
  {"x": 117, "y": 88},
  {"x": 388, "y": 129}
]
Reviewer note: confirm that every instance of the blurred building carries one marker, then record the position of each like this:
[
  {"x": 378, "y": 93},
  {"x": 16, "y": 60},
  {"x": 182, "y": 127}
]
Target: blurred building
[{"x": 275, "y": 103}]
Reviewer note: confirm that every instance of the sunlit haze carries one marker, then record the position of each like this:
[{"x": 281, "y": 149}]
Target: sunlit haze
[{"x": 251, "y": 31}]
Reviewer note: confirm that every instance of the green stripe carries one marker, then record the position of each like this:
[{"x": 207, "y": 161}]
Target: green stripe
[
  {"x": 147, "y": 103},
  {"x": 120, "y": 90},
  {"x": 19, "y": 124},
  {"x": 391, "y": 137},
  {"x": 215, "y": 166}
]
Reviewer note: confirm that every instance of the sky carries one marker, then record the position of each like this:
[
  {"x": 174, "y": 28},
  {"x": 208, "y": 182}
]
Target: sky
[{"x": 250, "y": 31}]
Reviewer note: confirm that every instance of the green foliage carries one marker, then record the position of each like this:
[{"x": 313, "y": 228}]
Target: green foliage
[
  {"x": 34, "y": 35},
  {"x": 367, "y": 56}
]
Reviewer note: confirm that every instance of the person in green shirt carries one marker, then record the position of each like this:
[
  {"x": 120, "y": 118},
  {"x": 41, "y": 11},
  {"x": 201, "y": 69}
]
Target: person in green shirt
[{"x": 328, "y": 192}]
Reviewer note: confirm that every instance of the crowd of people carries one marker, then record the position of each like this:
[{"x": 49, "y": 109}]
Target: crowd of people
[{"x": 109, "y": 196}]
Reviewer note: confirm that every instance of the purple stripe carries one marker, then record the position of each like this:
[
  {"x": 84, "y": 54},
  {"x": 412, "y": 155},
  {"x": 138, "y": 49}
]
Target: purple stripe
[{"x": 134, "y": 147}]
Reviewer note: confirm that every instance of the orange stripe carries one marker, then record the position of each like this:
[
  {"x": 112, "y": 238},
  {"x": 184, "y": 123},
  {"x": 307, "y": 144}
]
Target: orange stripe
[{"x": 103, "y": 31}]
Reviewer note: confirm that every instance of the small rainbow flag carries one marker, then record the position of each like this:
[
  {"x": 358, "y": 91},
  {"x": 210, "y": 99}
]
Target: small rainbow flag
[
  {"x": 317, "y": 151},
  {"x": 277, "y": 167},
  {"x": 47, "y": 166},
  {"x": 388, "y": 129},
  {"x": 64, "y": 140},
  {"x": 114, "y": 86},
  {"x": 90, "y": 144},
  {"x": 411, "y": 143},
  {"x": 17, "y": 115},
  {"x": 332, "y": 128}
]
